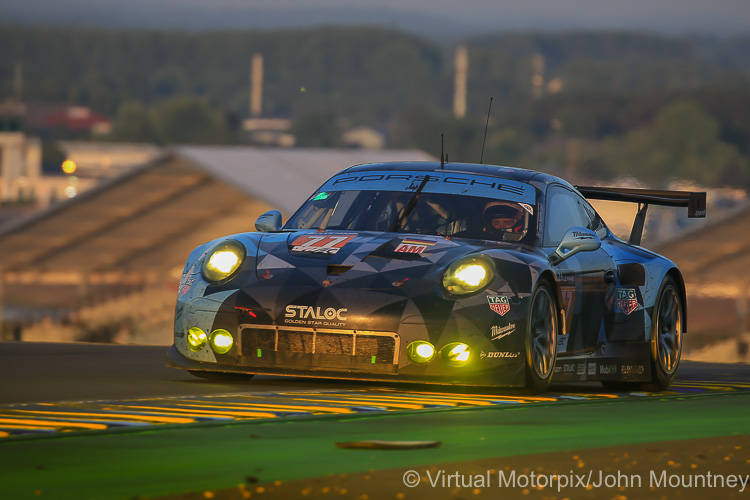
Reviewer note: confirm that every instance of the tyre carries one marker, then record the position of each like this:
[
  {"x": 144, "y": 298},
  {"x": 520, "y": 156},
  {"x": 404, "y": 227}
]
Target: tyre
[
  {"x": 666, "y": 336},
  {"x": 541, "y": 338},
  {"x": 225, "y": 376}
]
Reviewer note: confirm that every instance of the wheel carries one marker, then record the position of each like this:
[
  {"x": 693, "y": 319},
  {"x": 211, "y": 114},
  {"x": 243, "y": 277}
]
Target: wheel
[
  {"x": 541, "y": 339},
  {"x": 226, "y": 376},
  {"x": 666, "y": 336},
  {"x": 666, "y": 342}
]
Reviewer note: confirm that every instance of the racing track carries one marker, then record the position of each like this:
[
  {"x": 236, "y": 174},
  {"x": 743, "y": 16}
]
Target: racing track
[{"x": 142, "y": 429}]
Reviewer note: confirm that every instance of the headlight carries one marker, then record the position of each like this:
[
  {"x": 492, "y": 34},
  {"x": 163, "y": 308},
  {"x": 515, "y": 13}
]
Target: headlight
[
  {"x": 420, "y": 351},
  {"x": 196, "y": 339},
  {"x": 221, "y": 341},
  {"x": 456, "y": 354},
  {"x": 468, "y": 275},
  {"x": 223, "y": 261}
]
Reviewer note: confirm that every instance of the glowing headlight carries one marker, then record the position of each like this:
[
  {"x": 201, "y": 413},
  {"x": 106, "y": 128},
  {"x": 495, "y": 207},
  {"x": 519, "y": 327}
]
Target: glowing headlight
[
  {"x": 223, "y": 260},
  {"x": 456, "y": 354},
  {"x": 196, "y": 339},
  {"x": 468, "y": 275},
  {"x": 221, "y": 341},
  {"x": 420, "y": 351}
]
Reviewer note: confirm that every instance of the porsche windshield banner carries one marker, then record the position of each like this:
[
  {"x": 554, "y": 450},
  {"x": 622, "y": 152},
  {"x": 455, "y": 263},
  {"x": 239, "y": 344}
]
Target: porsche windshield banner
[{"x": 438, "y": 182}]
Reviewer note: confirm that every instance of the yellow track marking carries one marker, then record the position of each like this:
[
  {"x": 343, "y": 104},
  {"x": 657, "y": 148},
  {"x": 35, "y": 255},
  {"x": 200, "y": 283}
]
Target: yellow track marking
[
  {"x": 371, "y": 401},
  {"x": 119, "y": 416},
  {"x": 269, "y": 407},
  {"x": 201, "y": 413},
  {"x": 49, "y": 423}
]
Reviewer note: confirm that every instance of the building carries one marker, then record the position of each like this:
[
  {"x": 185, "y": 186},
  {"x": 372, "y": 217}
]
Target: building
[{"x": 108, "y": 261}]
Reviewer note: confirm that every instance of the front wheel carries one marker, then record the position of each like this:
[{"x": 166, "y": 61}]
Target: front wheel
[{"x": 541, "y": 339}]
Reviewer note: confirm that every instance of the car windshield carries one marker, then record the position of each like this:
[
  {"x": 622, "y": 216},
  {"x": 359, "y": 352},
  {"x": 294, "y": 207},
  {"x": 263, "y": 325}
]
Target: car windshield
[{"x": 430, "y": 213}]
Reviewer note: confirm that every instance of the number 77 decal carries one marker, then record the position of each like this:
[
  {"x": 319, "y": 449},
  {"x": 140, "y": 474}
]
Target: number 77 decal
[{"x": 328, "y": 244}]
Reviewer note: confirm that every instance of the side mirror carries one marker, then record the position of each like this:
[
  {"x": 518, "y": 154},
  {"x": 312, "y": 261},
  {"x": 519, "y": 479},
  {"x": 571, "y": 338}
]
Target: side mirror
[
  {"x": 577, "y": 239},
  {"x": 269, "y": 222}
]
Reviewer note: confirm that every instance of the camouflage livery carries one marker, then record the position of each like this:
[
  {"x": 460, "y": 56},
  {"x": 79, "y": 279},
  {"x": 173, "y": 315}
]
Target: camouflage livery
[{"x": 346, "y": 304}]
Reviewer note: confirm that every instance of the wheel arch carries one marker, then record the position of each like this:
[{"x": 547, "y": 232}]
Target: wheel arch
[
  {"x": 676, "y": 275},
  {"x": 548, "y": 276}
]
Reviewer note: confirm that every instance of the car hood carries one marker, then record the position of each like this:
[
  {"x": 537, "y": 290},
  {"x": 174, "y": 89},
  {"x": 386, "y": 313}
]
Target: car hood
[{"x": 337, "y": 257}]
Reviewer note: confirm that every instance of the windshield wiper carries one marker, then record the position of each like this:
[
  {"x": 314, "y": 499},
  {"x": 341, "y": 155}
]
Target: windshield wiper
[{"x": 409, "y": 206}]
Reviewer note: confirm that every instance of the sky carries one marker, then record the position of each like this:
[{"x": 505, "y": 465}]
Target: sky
[{"x": 669, "y": 17}]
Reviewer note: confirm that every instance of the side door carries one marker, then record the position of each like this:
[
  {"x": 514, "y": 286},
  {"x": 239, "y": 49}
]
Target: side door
[{"x": 586, "y": 278}]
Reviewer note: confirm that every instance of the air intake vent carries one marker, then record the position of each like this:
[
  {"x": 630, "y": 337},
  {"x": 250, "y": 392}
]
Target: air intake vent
[
  {"x": 631, "y": 274},
  {"x": 337, "y": 269}
]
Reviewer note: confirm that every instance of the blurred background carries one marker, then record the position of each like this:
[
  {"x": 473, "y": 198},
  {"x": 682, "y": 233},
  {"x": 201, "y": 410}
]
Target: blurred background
[{"x": 132, "y": 131}]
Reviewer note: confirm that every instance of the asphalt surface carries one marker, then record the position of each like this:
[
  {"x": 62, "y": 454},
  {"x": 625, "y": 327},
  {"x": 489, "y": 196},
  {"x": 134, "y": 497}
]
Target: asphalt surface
[
  {"x": 35, "y": 372},
  {"x": 227, "y": 448}
]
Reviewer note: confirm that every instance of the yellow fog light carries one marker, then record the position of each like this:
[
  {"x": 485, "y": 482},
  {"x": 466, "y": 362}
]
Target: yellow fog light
[
  {"x": 456, "y": 354},
  {"x": 469, "y": 275},
  {"x": 196, "y": 339},
  {"x": 223, "y": 260},
  {"x": 420, "y": 351},
  {"x": 221, "y": 341}
]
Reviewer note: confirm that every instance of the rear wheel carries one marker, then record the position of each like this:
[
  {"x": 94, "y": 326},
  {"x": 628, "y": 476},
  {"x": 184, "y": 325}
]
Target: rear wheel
[
  {"x": 226, "y": 376},
  {"x": 666, "y": 336},
  {"x": 541, "y": 339}
]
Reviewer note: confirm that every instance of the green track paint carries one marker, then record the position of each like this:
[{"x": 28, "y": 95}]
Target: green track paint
[{"x": 199, "y": 457}]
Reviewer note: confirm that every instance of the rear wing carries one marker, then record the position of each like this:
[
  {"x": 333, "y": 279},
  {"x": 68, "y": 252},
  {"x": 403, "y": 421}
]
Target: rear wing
[{"x": 694, "y": 201}]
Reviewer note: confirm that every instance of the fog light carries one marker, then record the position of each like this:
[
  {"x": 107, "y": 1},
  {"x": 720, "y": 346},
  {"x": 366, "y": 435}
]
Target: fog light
[
  {"x": 420, "y": 351},
  {"x": 221, "y": 341},
  {"x": 196, "y": 339},
  {"x": 456, "y": 354}
]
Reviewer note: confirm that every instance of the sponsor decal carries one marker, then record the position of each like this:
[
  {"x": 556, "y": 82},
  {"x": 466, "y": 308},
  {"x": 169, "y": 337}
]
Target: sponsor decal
[
  {"x": 327, "y": 283},
  {"x": 499, "y": 332},
  {"x": 400, "y": 283},
  {"x": 581, "y": 369},
  {"x": 315, "y": 316},
  {"x": 627, "y": 301},
  {"x": 610, "y": 369},
  {"x": 566, "y": 278},
  {"x": 569, "y": 367},
  {"x": 562, "y": 343},
  {"x": 498, "y": 354},
  {"x": 324, "y": 243},
  {"x": 320, "y": 196},
  {"x": 633, "y": 369},
  {"x": 580, "y": 235},
  {"x": 499, "y": 303},
  {"x": 411, "y": 245},
  {"x": 592, "y": 369},
  {"x": 528, "y": 208},
  {"x": 185, "y": 285},
  {"x": 266, "y": 275}
]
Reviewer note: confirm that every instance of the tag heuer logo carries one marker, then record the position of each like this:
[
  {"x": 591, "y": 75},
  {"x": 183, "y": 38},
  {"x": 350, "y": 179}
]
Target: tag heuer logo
[
  {"x": 627, "y": 300},
  {"x": 500, "y": 304}
]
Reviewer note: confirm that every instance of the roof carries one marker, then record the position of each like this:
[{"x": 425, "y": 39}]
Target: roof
[
  {"x": 141, "y": 225},
  {"x": 296, "y": 172},
  {"x": 517, "y": 174}
]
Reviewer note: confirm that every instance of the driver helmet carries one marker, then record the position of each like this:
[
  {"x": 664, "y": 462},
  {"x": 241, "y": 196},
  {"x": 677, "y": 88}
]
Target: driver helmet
[{"x": 502, "y": 217}]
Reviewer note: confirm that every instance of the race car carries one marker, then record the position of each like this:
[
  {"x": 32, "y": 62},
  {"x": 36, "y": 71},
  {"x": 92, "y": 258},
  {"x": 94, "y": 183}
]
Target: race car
[{"x": 434, "y": 272}]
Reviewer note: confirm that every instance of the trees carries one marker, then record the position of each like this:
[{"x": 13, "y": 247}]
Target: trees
[{"x": 683, "y": 142}]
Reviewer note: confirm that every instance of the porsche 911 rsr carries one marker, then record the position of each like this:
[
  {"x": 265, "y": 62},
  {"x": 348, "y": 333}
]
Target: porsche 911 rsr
[{"x": 439, "y": 273}]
